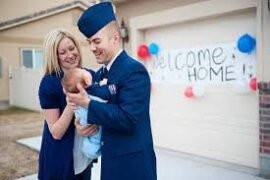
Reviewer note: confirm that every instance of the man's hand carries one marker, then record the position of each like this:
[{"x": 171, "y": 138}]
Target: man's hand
[
  {"x": 80, "y": 98},
  {"x": 86, "y": 130}
]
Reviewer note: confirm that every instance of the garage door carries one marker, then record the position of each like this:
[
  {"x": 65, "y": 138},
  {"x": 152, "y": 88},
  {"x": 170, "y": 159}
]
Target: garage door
[{"x": 222, "y": 124}]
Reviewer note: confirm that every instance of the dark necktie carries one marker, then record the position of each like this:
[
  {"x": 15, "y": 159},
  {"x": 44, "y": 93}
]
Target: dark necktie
[{"x": 104, "y": 73}]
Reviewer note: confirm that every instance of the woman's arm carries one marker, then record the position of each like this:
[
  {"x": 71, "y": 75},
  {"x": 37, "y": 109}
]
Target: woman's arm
[{"x": 58, "y": 125}]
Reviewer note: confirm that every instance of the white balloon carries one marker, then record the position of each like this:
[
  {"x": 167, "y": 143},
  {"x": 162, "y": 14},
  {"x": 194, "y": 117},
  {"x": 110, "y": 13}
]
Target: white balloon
[
  {"x": 198, "y": 90},
  {"x": 241, "y": 86}
]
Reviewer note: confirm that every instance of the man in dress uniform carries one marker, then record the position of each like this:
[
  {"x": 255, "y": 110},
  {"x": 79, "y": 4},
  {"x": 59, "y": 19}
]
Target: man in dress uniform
[{"x": 127, "y": 152}]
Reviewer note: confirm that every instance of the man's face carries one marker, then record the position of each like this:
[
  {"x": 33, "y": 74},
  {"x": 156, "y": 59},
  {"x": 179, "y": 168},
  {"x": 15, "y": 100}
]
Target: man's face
[{"x": 102, "y": 45}]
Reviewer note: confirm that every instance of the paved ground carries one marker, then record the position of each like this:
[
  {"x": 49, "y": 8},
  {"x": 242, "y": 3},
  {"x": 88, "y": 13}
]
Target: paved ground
[
  {"x": 174, "y": 166},
  {"x": 16, "y": 160}
]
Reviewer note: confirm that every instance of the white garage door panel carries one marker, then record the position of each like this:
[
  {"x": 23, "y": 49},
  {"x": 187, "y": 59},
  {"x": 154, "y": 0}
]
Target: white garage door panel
[
  {"x": 212, "y": 144},
  {"x": 223, "y": 124}
]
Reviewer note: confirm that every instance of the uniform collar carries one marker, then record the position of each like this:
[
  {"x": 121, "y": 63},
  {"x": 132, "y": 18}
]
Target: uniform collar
[{"x": 111, "y": 62}]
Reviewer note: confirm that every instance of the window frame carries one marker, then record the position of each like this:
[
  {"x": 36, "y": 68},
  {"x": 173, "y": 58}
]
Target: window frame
[{"x": 33, "y": 53}]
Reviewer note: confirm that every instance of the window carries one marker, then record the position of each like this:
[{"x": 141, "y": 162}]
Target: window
[{"x": 32, "y": 58}]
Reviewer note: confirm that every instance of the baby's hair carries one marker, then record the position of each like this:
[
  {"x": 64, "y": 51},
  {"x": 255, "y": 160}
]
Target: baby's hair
[{"x": 71, "y": 79}]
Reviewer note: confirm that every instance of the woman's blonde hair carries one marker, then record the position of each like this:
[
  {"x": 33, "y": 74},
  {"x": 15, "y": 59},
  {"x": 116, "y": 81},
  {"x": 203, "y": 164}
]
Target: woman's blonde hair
[{"x": 50, "y": 46}]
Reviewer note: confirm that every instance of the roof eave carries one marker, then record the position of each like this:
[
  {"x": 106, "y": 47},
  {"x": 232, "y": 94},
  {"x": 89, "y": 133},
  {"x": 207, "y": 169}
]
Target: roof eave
[{"x": 83, "y": 7}]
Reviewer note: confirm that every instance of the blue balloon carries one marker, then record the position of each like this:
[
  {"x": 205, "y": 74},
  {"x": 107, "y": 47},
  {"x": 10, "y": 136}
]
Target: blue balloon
[
  {"x": 246, "y": 43},
  {"x": 153, "y": 48}
]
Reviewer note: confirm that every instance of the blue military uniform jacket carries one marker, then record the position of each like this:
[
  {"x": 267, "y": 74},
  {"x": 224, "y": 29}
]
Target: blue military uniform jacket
[{"x": 127, "y": 152}]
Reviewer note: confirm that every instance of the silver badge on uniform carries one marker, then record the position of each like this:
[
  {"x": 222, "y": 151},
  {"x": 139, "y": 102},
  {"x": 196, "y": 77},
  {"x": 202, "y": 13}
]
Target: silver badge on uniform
[{"x": 112, "y": 89}]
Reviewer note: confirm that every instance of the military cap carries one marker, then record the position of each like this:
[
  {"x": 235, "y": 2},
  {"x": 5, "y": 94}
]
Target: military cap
[{"x": 95, "y": 18}]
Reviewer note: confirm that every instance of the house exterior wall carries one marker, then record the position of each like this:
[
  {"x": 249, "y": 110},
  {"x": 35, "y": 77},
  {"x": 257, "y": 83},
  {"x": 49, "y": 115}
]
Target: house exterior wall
[
  {"x": 10, "y": 9},
  {"x": 31, "y": 35},
  {"x": 9, "y": 53},
  {"x": 264, "y": 93},
  {"x": 132, "y": 9},
  {"x": 265, "y": 15}
]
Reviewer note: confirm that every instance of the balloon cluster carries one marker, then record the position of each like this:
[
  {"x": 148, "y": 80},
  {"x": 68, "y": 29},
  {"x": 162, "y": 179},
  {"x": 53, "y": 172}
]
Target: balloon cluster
[
  {"x": 145, "y": 51},
  {"x": 194, "y": 91},
  {"x": 246, "y": 43}
]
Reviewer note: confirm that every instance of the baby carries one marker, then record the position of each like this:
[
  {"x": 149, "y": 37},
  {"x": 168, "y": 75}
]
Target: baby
[{"x": 91, "y": 144}]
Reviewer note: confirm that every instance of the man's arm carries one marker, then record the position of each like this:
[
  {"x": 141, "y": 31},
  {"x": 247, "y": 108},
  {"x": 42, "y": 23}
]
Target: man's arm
[
  {"x": 99, "y": 91},
  {"x": 81, "y": 99},
  {"x": 133, "y": 102}
]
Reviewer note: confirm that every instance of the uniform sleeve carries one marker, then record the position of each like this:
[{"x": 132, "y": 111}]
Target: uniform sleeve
[
  {"x": 99, "y": 91},
  {"x": 48, "y": 94},
  {"x": 133, "y": 101}
]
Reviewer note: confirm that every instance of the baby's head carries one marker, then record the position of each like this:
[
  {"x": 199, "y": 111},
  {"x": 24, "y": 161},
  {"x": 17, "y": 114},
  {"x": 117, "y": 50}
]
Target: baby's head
[{"x": 76, "y": 76}]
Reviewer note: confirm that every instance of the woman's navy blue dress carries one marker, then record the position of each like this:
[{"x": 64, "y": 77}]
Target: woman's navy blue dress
[{"x": 56, "y": 156}]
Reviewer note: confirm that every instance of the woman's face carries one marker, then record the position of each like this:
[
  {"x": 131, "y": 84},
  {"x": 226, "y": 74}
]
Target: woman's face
[{"x": 68, "y": 54}]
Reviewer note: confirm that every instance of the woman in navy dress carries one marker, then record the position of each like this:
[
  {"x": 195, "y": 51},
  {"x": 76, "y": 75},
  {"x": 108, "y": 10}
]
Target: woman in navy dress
[{"x": 56, "y": 158}]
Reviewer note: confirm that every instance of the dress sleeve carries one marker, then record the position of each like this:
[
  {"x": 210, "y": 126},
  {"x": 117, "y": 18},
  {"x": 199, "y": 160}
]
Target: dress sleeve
[{"x": 47, "y": 93}]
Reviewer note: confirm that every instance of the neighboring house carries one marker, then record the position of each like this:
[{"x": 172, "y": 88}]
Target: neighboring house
[
  {"x": 227, "y": 126},
  {"x": 21, "y": 39},
  {"x": 23, "y": 26}
]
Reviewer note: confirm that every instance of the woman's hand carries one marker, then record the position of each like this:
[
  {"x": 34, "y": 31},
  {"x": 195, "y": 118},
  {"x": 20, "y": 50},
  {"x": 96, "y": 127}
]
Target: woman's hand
[
  {"x": 86, "y": 130},
  {"x": 71, "y": 104}
]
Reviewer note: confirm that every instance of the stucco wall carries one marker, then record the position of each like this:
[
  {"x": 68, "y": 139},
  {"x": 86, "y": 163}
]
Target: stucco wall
[
  {"x": 10, "y": 9},
  {"x": 31, "y": 35},
  {"x": 265, "y": 42},
  {"x": 9, "y": 53},
  {"x": 132, "y": 9}
]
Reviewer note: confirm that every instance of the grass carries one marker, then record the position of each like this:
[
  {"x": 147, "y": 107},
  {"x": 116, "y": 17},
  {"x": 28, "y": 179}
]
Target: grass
[{"x": 15, "y": 110}]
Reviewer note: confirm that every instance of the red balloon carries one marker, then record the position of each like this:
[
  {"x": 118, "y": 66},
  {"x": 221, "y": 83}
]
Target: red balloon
[
  {"x": 189, "y": 92},
  {"x": 253, "y": 84},
  {"x": 143, "y": 51}
]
